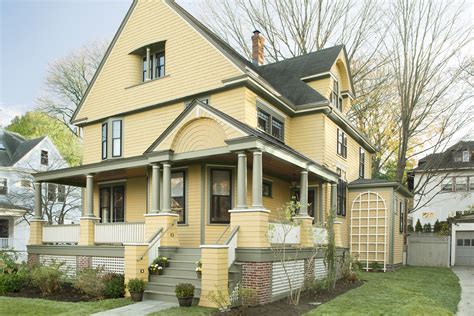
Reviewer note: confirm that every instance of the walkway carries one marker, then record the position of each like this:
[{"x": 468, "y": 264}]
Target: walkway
[
  {"x": 466, "y": 279},
  {"x": 138, "y": 309}
]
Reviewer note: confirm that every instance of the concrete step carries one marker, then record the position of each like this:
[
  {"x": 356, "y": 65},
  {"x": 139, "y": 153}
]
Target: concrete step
[
  {"x": 186, "y": 264},
  {"x": 174, "y": 279},
  {"x": 184, "y": 257},
  {"x": 183, "y": 272},
  {"x": 169, "y": 288},
  {"x": 164, "y": 296}
]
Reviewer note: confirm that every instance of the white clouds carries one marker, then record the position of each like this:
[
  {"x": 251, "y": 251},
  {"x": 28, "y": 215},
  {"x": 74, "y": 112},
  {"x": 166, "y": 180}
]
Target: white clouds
[{"x": 9, "y": 111}]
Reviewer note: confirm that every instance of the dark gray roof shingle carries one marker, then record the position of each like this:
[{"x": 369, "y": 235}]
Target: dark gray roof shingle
[
  {"x": 451, "y": 158},
  {"x": 15, "y": 147}
]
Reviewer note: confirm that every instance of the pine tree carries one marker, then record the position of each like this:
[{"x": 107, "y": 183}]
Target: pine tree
[
  {"x": 418, "y": 227},
  {"x": 437, "y": 226}
]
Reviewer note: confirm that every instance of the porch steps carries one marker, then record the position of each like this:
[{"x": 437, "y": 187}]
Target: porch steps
[{"x": 181, "y": 270}]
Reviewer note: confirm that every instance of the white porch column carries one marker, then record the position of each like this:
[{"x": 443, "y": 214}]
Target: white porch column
[
  {"x": 89, "y": 210},
  {"x": 257, "y": 175},
  {"x": 38, "y": 201},
  {"x": 155, "y": 189},
  {"x": 166, "y": 188},
  {"x": 304, "y": 193},
  {"x": 242, "y": 181},
  {"x": 333, "y": 197},
  {"x": 148, "y": 70}
]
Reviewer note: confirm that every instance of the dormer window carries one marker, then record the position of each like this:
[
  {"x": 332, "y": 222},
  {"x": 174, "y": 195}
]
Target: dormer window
[
  {"x": 44, "y": 157},
  {"x": 465, "y": 156},
  {"x": 335, "y": 97}
]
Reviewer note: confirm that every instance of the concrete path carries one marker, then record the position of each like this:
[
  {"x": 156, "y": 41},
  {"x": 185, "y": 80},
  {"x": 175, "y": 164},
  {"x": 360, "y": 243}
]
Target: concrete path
[
  {"x": 466, "y": 279},
  {"x": 138, "y": 309}
]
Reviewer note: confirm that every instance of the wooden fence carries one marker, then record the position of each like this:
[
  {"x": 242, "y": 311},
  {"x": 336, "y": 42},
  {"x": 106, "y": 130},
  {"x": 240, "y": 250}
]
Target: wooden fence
[{"x": 428, "y": 250}]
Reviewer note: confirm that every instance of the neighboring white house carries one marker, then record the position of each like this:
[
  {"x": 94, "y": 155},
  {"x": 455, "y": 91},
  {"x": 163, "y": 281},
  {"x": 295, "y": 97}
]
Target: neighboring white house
[
  {"x": 449, "y": 178},
  {"x": 19, "y": 158}
]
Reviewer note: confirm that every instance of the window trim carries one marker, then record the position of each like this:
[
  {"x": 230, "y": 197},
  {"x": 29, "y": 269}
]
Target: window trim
[
  {"x": 341, "y": 143},
  {"x": 112, "y": 138},
  {"x": 272, "y": 115},
  {"x": 111, "y": 185},
  {"x": 270, "y": 184},
  {"x": 231, "y": 172},
  {"x": 361, "y": 163},
  {"x": 105, "y": 140},
  {"x": 157, "y": 64},
  {"x": 42, "y": 161},
  {"x": 341, "y": 197}
]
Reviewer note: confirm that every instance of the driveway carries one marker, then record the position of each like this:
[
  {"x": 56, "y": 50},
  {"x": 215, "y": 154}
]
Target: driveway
[{"x": 466, "y": 279}]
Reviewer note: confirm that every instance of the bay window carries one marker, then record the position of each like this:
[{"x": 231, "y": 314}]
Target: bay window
[
  {"x": 104, "y": 141},
  {"x": 116, "y": 138}
]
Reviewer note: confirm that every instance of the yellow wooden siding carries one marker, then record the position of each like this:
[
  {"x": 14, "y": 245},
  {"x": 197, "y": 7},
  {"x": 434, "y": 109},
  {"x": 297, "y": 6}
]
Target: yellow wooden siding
[
  {"x": 323, "y": 86},
  {"x": 308, "y": 135},
  {"x": 193, "y": 65}
]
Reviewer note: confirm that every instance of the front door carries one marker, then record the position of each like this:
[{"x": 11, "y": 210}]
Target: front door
[
  {"x": 112, "y": 203},
  {"x": 4, "y": 233}
]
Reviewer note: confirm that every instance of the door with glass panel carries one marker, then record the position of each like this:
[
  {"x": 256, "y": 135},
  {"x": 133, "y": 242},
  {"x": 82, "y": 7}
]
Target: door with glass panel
[
  {"x": 221, "y": 196},
  {"x": 112, "y": 203}
]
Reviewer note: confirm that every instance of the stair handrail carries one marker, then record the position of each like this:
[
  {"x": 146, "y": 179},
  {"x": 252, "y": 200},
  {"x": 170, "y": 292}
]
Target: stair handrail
[
  {"x": 232, "y": 243},
  {"x": 154, "y": 239},
  {"x": 222, "y": 235}
]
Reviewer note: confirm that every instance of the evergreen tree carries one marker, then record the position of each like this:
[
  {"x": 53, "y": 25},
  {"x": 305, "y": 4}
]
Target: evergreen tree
[
  {"x": 418, "y": 227},
  {"x": 437, "y": 226}
]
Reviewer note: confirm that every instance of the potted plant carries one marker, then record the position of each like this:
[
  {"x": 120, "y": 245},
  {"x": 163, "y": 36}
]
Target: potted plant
[
  {"x": 199, "y": 269},
  {"x": 136, "y": 287},
  {"x": 162, "y": 261},
  {"x": 155, "y": 269},
  {"x": 185, "y": 294}
]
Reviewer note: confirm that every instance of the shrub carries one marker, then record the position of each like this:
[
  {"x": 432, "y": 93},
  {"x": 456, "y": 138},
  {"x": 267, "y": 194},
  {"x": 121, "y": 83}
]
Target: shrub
[
  {"x": 184, "y": 290},
  {"x": 89, "y": 281},
  {"x": 114, "y": 285},
  {"x": 418, "y": 227},
  {"x": 136, "y": 285},
  {"x": 427, "y": 228},
  {"x": 410, "y": 228},
  {"x": 375, "y": 266},
  {"x": 48, "y": 278},
  {"x": 318, "y": 286},
  {"x": 8, "y": 261},
  {"x": 437, "y": 226}
]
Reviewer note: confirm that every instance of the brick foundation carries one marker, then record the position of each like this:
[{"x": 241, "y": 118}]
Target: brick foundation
[
  {"x": 83, "y": 262},
  {"x": 33, "y": 259},
  {"x": 257, "y": 276}
]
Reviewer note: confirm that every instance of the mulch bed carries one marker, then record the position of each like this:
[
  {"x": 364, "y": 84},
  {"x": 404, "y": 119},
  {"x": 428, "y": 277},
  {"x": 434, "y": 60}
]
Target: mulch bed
[
  {"x": 282, "y": 307},
  {"x": 67, "y": 294}
]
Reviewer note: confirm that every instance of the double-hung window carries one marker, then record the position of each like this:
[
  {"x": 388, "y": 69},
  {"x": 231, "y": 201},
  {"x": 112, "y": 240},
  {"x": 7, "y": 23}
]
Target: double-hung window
[
  {"x": 178, "y": 195},
  {"x": 465, "y": 156},
  {"x": 116, "y": 138},
  {"x": 361, "y": 163},
  {"x": 221, "y": 195},
  {"x": 267, "y": 188},
  {"x": 461, "y": 184},
  {"x": 156, "y": 67},
  {"x": 341, "y": 197},
  {"x": 144, "y": 78},
  {"x": 471, "y": 183},
  {"x": 160, "y": 65},
  {"x": 447, "y": 184},
  {"x": 341, "y": 143},
  {"x": 270, "y": 124},
  {"x": 3, "y": 186},
  {"x": 104, "y": 140},
  {"x": 335, "y": 98},
  {"x": 44, "y": 157}
]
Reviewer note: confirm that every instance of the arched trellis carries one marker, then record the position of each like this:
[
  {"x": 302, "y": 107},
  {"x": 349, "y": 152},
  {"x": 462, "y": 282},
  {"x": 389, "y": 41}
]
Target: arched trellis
[{"x": 369, "y": 233}]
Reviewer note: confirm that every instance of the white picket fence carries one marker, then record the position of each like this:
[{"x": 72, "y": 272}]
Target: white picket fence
[
  {"x": 119, "y": 233},
  {"x": 64, "y": 234}
]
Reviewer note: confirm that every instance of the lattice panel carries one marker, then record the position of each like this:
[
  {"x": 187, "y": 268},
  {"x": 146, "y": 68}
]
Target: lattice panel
[
  {"x": 369, "y": 229},
  {"x": 110, "y": 264},
  {"x": 320, "y": 271},
  {"x": 294, "y": 271},
  {"x": 69, "y": 266}
]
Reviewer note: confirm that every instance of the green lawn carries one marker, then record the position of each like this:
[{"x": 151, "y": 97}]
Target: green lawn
[
  {"x": 407, "y": 291},
  {"x": 29, "y": 306}
]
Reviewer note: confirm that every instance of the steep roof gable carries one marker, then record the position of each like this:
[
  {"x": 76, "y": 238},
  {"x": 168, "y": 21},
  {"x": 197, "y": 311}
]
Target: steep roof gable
[{"x": 16, "y": 147}]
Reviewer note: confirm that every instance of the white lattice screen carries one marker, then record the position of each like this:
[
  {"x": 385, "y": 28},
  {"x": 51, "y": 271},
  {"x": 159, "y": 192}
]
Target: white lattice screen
[
  {"x": 320, "y": 271},
  {"x": 69, "y": 263},
  {"x": 294, "y": 271},
  {"x": 110, "y": 264},
  {"x": 369, "y": 235}
]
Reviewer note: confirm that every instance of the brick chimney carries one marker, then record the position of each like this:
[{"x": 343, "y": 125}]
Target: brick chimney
[{"x": 257, "y": 48}]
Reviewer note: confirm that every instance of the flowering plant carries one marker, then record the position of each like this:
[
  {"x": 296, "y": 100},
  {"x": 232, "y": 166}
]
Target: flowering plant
[
  {"x": 198, "y": 268},
  {"x": 162, "y": 261},
  {"x": 155, "y": 269}
]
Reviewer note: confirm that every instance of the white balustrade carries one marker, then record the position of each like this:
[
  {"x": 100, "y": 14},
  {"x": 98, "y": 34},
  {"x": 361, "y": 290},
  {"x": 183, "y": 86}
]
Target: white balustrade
[
  {"x": 283, "y": 233},
  {"x": 119, "y": 233},
  {"x": 320, "y": 235},
  {"x": 64, "y": 234}
]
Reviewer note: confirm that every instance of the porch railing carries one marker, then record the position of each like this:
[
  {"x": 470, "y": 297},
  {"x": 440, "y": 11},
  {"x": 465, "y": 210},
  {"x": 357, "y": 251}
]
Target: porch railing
[
  {"x": 119, "y": 233},
  {"x": 320, "y": 235},
  {"x": 283, "y": 233},
  {"x": 64, "y": 234},
  {"x": 17, "y": 244}
]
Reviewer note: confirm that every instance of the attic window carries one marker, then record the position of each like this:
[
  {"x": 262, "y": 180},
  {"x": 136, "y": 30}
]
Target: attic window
[
  {"x": 465, "y": 156},
  {"x": 44, "y": 158},
  {"x": 335, "y": 97},
  {"x": 153, "y": 60}
]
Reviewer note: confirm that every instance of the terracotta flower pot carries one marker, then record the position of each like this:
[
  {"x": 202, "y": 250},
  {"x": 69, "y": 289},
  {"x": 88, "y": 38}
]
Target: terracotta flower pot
[
  {"x": 185, "y": 301},
  {"x": 136, "y": 296}
]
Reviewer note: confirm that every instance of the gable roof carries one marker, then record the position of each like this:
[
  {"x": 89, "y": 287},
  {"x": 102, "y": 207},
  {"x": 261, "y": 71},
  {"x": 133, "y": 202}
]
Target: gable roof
[
  {"x": 283, "y": 76},
  {"x": 16, "y": 147},
  {"x": 446, "y": 159}
]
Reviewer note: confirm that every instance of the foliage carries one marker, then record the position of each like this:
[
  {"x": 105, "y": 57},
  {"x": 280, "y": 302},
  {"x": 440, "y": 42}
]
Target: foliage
[
  {"x": 48, "y": 278},
  {"x": 114, "y": 285},
  {"x": 14, "y": 282},
  {"x": 183, "y": 290},
  {"x": 32, "y": 306},
  {"x": 410, "y": 228},
  {"x": 317, "y": 286},
  {"x": 427, "y": 228},
  {"x": 402, "y": 292},
  {"x": 155, "y": 268},
  {"x": 136, "y": 285},
  {"x": 348, "y": 272},
  {"x": 8, "y": 262},
  {"x": 444, "y": 229},
  {"x": 37, "y": 124},
  {"x": 437, "y": 226},
  {"x": 375, "y": 266},
  {"x": 330, "y": 255},
  {"x": 161, "y": 261},
  {"x": 89, "y": 281},
  {"x": 418, "y": 227}
]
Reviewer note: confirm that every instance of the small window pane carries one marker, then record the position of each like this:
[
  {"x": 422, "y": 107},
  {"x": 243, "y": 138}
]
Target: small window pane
[
  {"x": 116, "y": 148},
  {"x": 467, "y": 242},
  {"x": 117, "y": 138},
  {"x": 25, "y": 183},
  {"x": 52, "y": 192},
  {"x": 277, "y": 129},
  {"x": 44, "y": 158},
  {"x": 104, "y": 140},
  {"x": 460, "y": 242},
  {"x": 465, "y": 156},
  {"x": 116, "y": 129},
  {"x": 3, "y": 186},
  {"x": 221, "y": 182},
  {"x": 447, "y": 185},
  {"x": 263, "y": 121},
  {"x": 61, "y": 193},
  {"x": 267, "y": 189},
  {"x": 461, "y": 184},
  {"x": 178, "y": 195}
]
